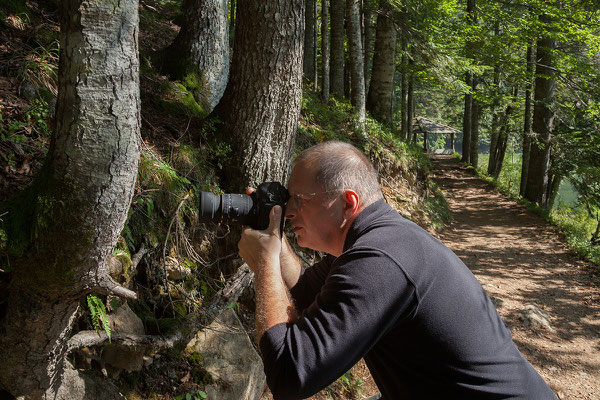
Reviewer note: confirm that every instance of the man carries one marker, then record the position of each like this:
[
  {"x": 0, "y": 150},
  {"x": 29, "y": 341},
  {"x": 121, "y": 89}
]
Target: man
[{"x": 387, "y": 291}]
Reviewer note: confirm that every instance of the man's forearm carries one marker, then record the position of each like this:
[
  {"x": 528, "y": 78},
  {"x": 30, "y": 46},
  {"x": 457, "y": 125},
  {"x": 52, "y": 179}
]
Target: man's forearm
[
  {"x": 290, "y": 264},
  {"x": 273, "y": 305}
]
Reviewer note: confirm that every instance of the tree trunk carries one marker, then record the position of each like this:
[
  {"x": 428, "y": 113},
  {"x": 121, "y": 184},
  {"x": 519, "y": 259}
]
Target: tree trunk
[
  {"x": 231, "y": 22},
  {"x": 356, "y": 63},
  {"x": 410, "y": 105},
  {"x": 368, "y": 40},
  {"x": 502, "y": 138},
  {"x": 337, "y": 12},
  {"x": 543, "y": 122},
  {"x": 469, "y": 80},
  {"x": 527, "y": 124},
  {"x": 404, "y": 93},
  {"x": 475, "y": 113},
  {"x": 495, "y": 132},
  {"x": 259, "y": 111},
  {"x": 309, "y": 36},
  {"x": 62, "y": 229},
  {"x": 324, "y": 51},
  {"x": 466, "y": 141},
  {"x": 315, "y": 70},
  {"x": 202, "y": 48},
  {"x": 381, "y": 89},
  {"x": 552, "y": 190}
]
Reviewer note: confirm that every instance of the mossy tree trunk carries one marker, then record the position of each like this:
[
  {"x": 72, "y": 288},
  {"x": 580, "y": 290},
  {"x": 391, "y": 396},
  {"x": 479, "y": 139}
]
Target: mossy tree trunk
[
  {"x": 202, "y": 48},
  {"x": 381, "y": 88},
  {"x": 62, "y": 229},
  {"x": 258, "y": 114}
]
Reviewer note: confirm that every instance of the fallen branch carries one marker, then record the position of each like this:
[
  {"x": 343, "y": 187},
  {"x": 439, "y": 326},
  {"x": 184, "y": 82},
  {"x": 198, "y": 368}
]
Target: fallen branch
[{"x": 187, "y": 328}]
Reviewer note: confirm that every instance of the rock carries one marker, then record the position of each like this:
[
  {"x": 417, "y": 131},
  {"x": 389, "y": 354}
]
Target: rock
[
  {"x": 28, "y": 90},
  {"x": 115, "y": 267},
  {"x": 497, "y": 302},
  {"x": 176, "y": 271},
  {"x": 533, "y": 317},
  {"x": 230, "y": 359},
  {"x": 118, "y": 357}
]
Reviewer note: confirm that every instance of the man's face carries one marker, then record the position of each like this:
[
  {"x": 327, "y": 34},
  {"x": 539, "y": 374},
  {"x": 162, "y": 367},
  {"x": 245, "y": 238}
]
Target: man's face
[{"x": 317, "y": 218}]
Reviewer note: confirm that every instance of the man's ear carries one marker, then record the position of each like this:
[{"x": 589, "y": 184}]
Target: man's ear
[{"x": 352, "y": 203}]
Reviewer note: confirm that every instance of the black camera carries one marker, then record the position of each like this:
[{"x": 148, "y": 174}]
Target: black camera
[{"x": 252, "y": 210}]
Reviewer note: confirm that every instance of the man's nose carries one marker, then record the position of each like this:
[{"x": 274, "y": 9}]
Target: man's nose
[{"x": 290, "y": 210}]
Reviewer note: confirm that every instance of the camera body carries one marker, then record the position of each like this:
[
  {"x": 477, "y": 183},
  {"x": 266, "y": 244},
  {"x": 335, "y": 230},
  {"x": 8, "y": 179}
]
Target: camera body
[{"x": 252, "y": 210}]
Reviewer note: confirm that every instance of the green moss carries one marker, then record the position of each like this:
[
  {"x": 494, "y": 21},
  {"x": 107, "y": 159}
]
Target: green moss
[{"x": 45, "y": 231}]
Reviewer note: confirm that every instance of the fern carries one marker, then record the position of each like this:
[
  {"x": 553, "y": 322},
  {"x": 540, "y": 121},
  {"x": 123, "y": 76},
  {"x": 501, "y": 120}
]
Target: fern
[{"x": 98, "y": 312}]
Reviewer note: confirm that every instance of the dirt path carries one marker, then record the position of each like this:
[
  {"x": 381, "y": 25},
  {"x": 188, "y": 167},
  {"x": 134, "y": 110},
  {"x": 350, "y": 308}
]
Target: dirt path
[{"x": 520, "y": 259}]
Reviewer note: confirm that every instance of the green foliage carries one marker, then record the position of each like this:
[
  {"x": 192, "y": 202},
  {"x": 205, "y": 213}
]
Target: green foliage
[
  {"x": 192, "y": 395},
  {"x": 98, "y": 314}
]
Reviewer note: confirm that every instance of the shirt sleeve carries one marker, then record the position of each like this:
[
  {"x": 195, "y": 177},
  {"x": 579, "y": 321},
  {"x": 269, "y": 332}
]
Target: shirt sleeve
[
  {"x": 364, "y": 295},
  {"x": 310, "y": 283}
]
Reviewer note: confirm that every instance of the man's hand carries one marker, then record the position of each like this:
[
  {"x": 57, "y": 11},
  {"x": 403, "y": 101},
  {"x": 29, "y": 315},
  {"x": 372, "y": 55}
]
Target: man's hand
[{"x": 261, "y": 249}]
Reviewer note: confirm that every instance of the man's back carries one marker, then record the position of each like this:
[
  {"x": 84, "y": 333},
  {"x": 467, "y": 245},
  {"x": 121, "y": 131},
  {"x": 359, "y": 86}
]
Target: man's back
[{"x": 405, "y": 302}]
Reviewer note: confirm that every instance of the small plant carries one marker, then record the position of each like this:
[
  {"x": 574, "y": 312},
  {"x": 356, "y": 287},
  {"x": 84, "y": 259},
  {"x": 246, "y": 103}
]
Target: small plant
[
  {"x": 192, "y": 395},
  {"x": 98, "y": 312}
]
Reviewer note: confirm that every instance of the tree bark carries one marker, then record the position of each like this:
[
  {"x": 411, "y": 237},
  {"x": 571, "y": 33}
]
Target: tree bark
[
  {"x": 543, "y": 122},
  {"x": 325, "y": 51},
  {"x": 259, "y": 111},
  {"x": 527, "y": 123},
  {"x": 368, "y": 40},
  {"x": 404, "y": 93},
  {"x": 410, "y": 105},
  {"x": 474, "y": 146},
  {"x": 67, "y": 222},
  {"x": 309, "y": 43},
  {"x": 381, "y": 89},
  {"x": 466, "y": 141},
  {"x": 356, "y": 63},
  {"x": 337, "y": 12},
  {"x": 202, "y": 47},
  {"x": 469, "y": 79}
]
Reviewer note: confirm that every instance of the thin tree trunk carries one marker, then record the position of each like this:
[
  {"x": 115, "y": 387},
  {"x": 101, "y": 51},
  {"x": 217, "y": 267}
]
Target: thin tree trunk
[
  {"x": 475, "y": 113},
  {"x": 469, "y": 79},
  {"x": 356, "y": 63},
  {"x": 315, "y": 71},
  {"x": 543, "y": 121},
  {"x": 404, "y": 93},
  {"x": 231, "y": 22},
  {"x": 337, "y": 12},
  {"x": 368, "y": 40},
  {"x": 410, "y": 106},
  {"x": 69, "y": 219},
  {"x": 309, "y": 36},
  {"x": 202, "y": 47},
  {"x": 527, "y": 124},
  {"x": 325, "y": 50},
  {"x": 381, "y": 89},
  {"x": 260, "y": 108},
  {"x": 466, "y": 141},
  {"x": 495, "y": 132}
]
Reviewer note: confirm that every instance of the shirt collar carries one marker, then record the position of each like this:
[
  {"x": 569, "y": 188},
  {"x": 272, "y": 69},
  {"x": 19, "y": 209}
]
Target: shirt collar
[{"x": 364, "y": 221}]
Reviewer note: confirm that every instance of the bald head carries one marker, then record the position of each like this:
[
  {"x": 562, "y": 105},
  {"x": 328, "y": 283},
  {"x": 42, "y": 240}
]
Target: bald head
[{"x": 338, "y": 166}]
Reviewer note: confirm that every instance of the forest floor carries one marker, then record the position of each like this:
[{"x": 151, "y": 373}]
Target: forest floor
[{"x": 520, "y": 259}]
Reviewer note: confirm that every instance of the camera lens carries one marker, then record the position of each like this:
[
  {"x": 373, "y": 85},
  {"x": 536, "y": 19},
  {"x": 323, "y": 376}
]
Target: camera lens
[
  {"x": 227, "y": 208},
  {"x": 210, "y": 207},
  {"x": 236, "y": 208}
]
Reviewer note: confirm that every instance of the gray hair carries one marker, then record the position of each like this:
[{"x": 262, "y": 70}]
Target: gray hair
[{"x": 339, "y": 166}]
